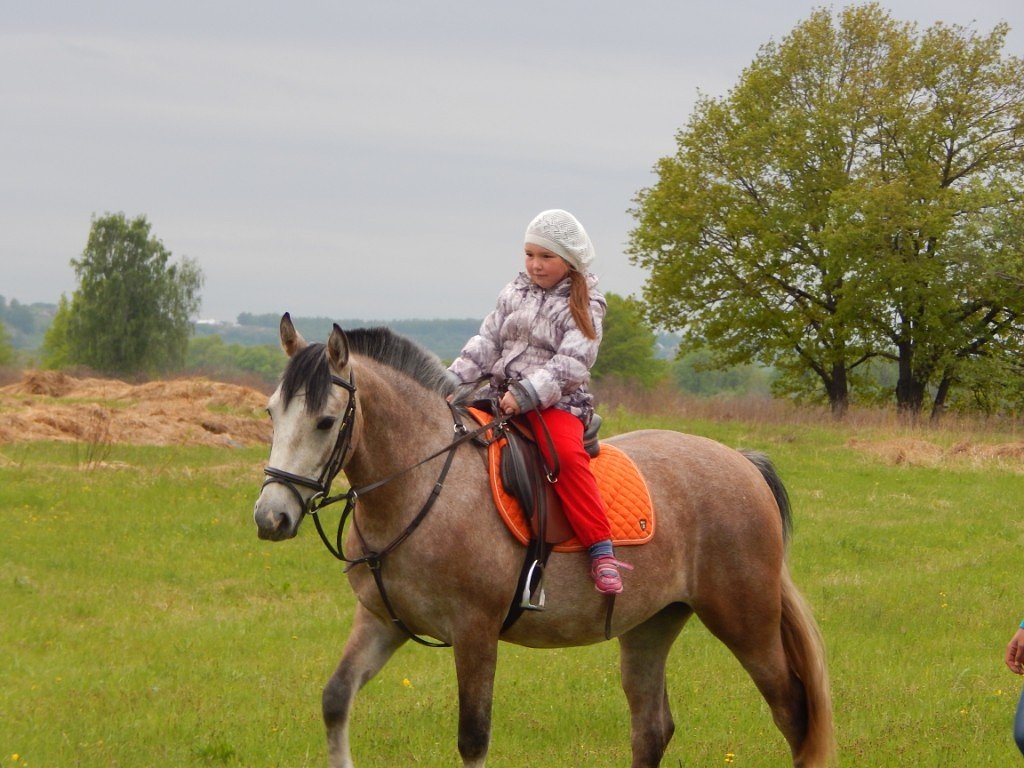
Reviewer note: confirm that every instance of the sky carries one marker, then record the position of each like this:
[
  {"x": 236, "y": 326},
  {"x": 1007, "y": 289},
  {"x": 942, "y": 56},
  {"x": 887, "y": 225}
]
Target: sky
[{"x": 371, "y": 160}]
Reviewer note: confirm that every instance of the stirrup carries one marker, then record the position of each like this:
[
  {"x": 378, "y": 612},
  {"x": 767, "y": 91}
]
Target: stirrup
[
  {"x": 527, "y": 603},
  {"x": 604, "y": 571}
]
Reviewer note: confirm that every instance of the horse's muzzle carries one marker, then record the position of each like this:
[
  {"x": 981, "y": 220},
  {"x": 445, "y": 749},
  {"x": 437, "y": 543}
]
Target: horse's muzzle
[{"x": 272, "y": 523}]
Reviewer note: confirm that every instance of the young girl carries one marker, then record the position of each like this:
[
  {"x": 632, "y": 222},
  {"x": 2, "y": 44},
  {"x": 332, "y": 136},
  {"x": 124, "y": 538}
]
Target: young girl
[{"x": 543, "y": 337}]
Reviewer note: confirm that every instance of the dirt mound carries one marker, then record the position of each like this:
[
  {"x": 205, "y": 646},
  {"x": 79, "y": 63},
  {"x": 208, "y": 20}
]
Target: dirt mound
[
  {"x": 923, "y": 453},
  {"x": 49, "y": 405}
]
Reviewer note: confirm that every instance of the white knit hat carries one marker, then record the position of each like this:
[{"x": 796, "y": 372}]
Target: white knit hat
[{"x": 561, "y": 233}]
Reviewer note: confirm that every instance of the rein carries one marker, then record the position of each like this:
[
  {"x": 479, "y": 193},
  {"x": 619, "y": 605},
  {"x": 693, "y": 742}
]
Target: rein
[{"x": 321, "y": 497}]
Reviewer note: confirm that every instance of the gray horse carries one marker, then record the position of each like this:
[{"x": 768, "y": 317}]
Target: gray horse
[{"x": 374, "y": 405}]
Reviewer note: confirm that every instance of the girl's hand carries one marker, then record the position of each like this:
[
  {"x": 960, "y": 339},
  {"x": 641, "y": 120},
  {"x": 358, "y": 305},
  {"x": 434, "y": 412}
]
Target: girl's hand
[{"x": 508, "y": 404}]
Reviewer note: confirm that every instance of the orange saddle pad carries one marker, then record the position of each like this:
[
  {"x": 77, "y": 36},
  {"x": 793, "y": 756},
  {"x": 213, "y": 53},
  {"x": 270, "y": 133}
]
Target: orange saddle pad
[{"x": 623, "y": 490}]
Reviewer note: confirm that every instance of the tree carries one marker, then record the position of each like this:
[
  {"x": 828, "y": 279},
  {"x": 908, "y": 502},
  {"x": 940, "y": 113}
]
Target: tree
[
  {"x": 628, "y": 344},
  {"x": 212, "y": 356},
  {"x": 131, "y": 312},
  {"x": 852, "y": 198},
  {"x": 696, "y": 374},
  {"x": 17, "y": 316},
  {"x": 57, "y": 344},
  {"x": 6, "y": 350}
]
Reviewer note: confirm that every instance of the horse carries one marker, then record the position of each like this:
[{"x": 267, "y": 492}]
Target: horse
[{"x": 435, "y": 561}]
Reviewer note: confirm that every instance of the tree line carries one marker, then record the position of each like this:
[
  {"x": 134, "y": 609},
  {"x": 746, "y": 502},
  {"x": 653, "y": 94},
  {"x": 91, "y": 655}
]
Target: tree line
[{"x": 630, "y": 351}]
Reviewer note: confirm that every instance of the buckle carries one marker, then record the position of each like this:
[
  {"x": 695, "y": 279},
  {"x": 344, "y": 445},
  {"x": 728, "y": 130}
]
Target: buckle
[{"x": 312, "y": 507}]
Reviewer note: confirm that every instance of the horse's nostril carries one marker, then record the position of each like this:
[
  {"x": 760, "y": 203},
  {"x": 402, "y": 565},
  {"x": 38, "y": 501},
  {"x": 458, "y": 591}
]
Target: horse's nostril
[{"x": 273, "y": 525}]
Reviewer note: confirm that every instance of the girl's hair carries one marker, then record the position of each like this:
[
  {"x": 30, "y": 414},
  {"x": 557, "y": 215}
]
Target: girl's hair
[{"x": 579, "y": 303}]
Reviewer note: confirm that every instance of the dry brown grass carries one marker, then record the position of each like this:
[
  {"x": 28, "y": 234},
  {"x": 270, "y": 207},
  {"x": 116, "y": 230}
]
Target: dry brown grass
[
  {"x": 98, "y": 412},
  {"x": 51, "y": 405},
  {"x": 956, "y": 440},
  {"x": 665, "y": 399},
  {"x": 913, "y": 451}
]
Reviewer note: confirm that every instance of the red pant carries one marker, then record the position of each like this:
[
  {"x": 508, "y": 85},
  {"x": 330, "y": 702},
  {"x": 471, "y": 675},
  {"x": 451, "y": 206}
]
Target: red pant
[{"x": 576, "y": 486}]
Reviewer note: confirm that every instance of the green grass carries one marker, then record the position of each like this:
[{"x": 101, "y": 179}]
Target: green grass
[{"x": 143, "y": 623}]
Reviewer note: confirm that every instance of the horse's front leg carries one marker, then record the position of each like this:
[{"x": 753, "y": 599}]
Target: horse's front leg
[
  {"x": 476, "y": 656},
  {"x": 370, "y": 645}
]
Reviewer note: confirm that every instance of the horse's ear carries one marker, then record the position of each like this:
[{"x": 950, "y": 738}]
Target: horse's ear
[
  {"x": 291, "y": 340},
  {"x": 337, "y": 348}
]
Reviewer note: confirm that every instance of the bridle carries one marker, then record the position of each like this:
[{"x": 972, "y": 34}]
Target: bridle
[
  {"x": 322, "y": 485},
  {"x": 321, "y": 497}
]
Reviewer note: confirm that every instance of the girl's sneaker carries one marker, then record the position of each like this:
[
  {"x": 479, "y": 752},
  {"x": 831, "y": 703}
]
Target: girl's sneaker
[{"x": 605, "y": 572}]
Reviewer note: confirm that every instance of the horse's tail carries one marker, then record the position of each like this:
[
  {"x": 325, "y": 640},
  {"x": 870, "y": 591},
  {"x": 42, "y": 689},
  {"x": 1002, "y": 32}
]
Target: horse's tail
[
  {"x": 801, "y": 639},
  {"x": 771, "y": 476},
  {"x": 805, "y": 652}
]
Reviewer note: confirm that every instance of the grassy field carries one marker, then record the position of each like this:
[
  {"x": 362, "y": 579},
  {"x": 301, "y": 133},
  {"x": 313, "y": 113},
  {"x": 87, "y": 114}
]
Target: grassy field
[{"x": 144, "y": 624}]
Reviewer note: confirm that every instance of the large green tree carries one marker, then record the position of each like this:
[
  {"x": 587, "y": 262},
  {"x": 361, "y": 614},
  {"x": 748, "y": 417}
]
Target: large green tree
[
  {"x": 132, "y": 310},
  {"x": 853, "y": 197}
]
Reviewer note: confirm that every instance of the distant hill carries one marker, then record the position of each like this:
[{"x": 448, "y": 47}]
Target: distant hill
[
  {"x": 26, "y": 324},
  {"x": 445, "y": 338}
]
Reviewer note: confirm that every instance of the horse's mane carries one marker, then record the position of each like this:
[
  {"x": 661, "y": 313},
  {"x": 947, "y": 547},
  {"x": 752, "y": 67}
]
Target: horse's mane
[{"x": 308, "y": 368}]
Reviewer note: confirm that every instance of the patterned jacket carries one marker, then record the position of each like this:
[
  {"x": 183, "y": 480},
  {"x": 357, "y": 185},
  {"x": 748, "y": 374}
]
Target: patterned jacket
[{"x": 531, "y": 337}]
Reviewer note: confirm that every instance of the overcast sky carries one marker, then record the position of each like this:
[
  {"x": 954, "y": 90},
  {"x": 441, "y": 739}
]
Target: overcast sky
[{"x": 372, "y": 160}]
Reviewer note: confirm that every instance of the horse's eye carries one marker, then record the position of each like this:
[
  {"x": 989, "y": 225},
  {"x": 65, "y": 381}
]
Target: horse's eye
[{"x": 326, "y": 423}]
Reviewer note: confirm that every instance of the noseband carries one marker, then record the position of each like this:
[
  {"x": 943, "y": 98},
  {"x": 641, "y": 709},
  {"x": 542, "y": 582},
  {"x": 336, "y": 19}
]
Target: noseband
[{"x": 322, "y": 485}]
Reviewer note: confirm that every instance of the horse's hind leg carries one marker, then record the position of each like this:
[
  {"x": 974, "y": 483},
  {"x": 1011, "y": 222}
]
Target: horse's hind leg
[
  {"x": 370, "y": 644},
  {"x": 753, "y": 634},
  {"x": 643, "y": 652}
]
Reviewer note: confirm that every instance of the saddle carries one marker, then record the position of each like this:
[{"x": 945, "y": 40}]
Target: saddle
[
  {"x": 522, "y": 488},
  {"x": 528, "y": 482}
]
